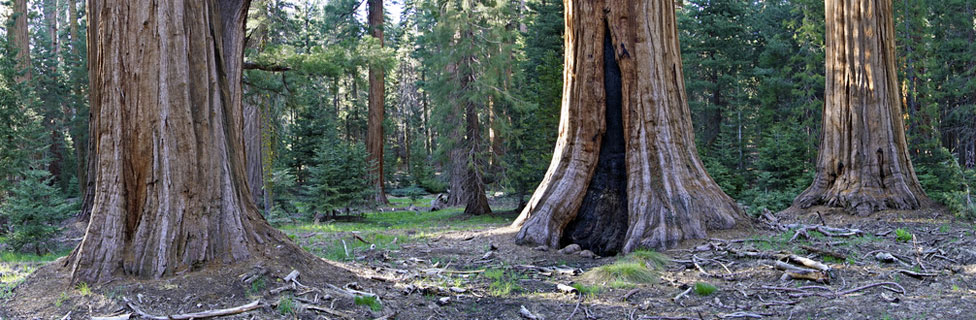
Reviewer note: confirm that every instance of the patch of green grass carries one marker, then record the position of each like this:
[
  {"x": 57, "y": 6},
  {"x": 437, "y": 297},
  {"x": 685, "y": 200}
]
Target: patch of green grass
[
  {"x": 12, "y": 275},
  {"x": 502, "y": 283},
  {"x": 286, "y": 305},
  {"x": 61, "y": 299},
  {"x": 621, "y": 273},
  {"x": 83, "y": 289},
  {"x": 652, "y": 259},
  {"x": 257, "y": 286},
  {"x": 903, "y": 235},
  {"x": 403, "y": 220},
  {"x": 944, "y": 228},
  {"x": 370, "y": 301},
  {"x": 704, "y": 289},
  {"x": 586, "y": 290},
  {"x": 956, "y": 288},
  {"x": 17, "y": 257}
]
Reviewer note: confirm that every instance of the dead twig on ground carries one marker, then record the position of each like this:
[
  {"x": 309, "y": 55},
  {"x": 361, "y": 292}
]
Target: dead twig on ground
[
  {"x": 578, "y": 302},
  {"x": 917, "y": 275},
  {"x": 195, "y": 315}
]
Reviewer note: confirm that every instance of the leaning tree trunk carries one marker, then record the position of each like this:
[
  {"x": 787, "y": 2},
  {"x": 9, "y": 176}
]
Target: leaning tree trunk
[
  {"x": 374, "y": 135},
  {"x": 863, "y": 163},
  {"x": 171, "y": 192},
  {"x": 625, "y": 173}
]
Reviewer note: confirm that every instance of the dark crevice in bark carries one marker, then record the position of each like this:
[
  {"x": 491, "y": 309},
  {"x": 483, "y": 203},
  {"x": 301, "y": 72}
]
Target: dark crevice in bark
[{"x": 602, "y": 221}]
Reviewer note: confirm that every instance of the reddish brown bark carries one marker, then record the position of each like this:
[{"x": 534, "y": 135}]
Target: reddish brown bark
[
  {"x": 863, "y": 163},
  {"x": 171, "y": 192},
  {"x": 374, "y": 131},
  {"x": 667, "y": 196},
  {"x": 21, "y": 40}
]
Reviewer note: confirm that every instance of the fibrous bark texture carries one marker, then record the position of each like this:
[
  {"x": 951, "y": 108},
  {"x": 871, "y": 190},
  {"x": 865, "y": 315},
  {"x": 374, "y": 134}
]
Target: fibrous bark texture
[
  {"x": 21, "y": 41},
  {"x": 863, "y": 163},
  {"x": 377, "y": 87},
  {"x": 668, "y": 196},
  {"x": 170, "y": 188}
]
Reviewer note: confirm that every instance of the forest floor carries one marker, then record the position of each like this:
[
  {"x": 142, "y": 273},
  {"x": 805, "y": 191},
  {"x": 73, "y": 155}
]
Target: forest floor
[{"x": 444, "y": 265}]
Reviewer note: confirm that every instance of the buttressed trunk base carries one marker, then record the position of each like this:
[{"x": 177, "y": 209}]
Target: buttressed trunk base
[
  {"x": 863, "y": 163},
  {"x": 625, "y": 173},
  {"x": 171, "y": 193}
]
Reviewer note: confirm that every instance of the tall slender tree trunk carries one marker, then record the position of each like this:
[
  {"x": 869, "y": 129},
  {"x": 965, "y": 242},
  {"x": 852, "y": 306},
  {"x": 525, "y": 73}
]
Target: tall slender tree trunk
[
  {"x": 374, "y": 135},
  {"x": 863, "y": 164},
  {"x": 467, "y": 185},
  {"x": 625, "y": 173},
  {"x": 21, "y": 41},
  {"x": 171, "y": 192}
]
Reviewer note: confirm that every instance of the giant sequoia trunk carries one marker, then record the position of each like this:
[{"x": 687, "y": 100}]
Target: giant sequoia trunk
[
  {"x": 374, "y": 123},
  {"x": 863, "y": 163},
  {"x": 21, "y": 41},
  {"x": 625, "y": 173},
  {"x": 170, "y": 189}
]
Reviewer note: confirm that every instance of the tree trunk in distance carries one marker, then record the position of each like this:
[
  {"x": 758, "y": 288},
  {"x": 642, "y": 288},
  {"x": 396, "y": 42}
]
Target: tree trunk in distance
[
  {"x": 171, "y": 193},
  {"x": 374, "y": 135},
  {"x": 467, "y": 186},
  {"x": 253, "y": 149},
  {"x": 863, "y": 165},
  {"x": 21, "y": 41},
  {"x": 625, "y": 173}
]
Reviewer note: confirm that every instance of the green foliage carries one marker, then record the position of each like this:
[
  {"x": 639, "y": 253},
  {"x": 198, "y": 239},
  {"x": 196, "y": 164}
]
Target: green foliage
[
  {"x": 370, "y": 301},
  {"x": 621, "y": 273},
  {"x": 502, "y": 283},
  {"x": 34, "y": 210},
  {"x": 652, "y": 259},
  {"x": 413, "y": 192},
  {"x": 286, "y": 305},
  {"x": 339, "y": 179},
  {"x": 704, "y": 289},
  {"x": 257, "y": 286},
  {"x": 61, "y": 299},
  {"x": 83, "y": 289},
  {"x": 903, "y": 235},
  {"x": 587, "y": 290}
]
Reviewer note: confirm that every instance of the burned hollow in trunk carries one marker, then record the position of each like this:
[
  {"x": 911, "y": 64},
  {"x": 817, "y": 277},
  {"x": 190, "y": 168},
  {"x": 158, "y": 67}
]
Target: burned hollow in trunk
[{"x": 601, "y": 222}]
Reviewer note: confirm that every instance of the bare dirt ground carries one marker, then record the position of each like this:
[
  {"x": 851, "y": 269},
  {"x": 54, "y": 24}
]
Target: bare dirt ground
[{"x": 892, "y": 265}]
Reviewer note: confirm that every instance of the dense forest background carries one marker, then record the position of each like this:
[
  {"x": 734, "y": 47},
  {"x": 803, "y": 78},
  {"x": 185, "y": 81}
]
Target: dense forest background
[{"x": 485, "y": 77}]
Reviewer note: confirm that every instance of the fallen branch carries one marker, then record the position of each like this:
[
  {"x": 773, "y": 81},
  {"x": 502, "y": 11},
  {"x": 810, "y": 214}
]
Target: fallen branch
[
  {"x": 525, "y": 313},
  {"x": 806, "y": 262},
  {"x": 124, "y": 316},
  {"x": 917, "y": 275},
  {"x": 196, "y": 315},
  {"x": 331, "y": 312},
  {"x": 740, "y": 314},
  {"x": 903, "y": 291},
  {"x": 631, "y": 293},
  {"x": 824, "y": 252},
  {"x": 578, "y": 302},
  {"x": 680, "y": 295},
  {"x": 795, "y": 272}
]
